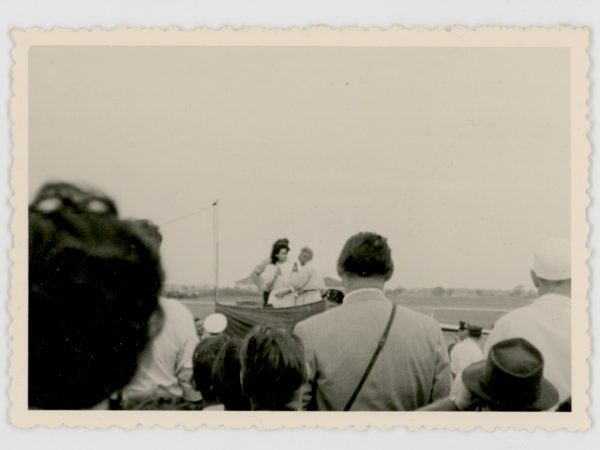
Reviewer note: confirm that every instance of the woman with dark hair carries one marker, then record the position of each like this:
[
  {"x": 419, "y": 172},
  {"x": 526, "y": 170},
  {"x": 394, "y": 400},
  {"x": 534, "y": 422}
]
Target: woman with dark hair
[
  {"x": 273, "y": 275},
  {"x": 94, "y": 283},
  {"x": 273, "y": 369}
]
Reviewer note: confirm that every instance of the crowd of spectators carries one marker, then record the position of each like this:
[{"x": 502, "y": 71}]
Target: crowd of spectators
[{"x": 101, "y": 336}]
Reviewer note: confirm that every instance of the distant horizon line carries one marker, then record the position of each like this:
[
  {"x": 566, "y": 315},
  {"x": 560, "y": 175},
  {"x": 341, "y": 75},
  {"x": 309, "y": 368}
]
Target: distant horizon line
[{"x": 406, "y": 288}]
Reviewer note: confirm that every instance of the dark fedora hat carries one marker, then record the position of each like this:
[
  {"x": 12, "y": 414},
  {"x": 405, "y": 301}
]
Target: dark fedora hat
[{"x": 511, "y": 378}]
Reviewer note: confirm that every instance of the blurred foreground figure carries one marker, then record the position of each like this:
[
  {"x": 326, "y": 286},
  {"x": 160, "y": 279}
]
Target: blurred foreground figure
[
  {"x": 273, "y": 369},
  {"x": 546, "y": 323},
  {"x": 165, "y": 368},
  {"x": 369, "y": 354},
  {"x": 510, "y": 379},
  {"x": 94, "y": 283},
  {"x": 205, "y": 357},
  {"x": 226, "y": 379},
  {"x": 217, "y": 373}
]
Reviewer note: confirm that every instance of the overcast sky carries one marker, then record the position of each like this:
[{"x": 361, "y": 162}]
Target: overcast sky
[{"x": 459, "y": 156}]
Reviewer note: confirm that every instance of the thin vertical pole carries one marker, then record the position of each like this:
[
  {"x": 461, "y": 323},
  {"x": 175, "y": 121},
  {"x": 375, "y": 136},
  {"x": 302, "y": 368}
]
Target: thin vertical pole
[{"x": 216, "y": 242}]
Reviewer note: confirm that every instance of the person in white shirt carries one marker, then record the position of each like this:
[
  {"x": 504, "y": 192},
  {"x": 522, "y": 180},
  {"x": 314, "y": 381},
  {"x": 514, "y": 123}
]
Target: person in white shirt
[
  {"x": 165, "y": 369},
  {"x": 461, "y": 335},
  {"x": 467, "y": 351},
  {"x": 307, "y": 281},
  {"x": 546, "y": 323}
]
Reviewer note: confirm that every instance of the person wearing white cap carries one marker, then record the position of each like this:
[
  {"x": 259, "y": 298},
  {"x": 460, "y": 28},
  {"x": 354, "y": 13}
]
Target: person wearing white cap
[
  {"x": 546, "y": 323},
  {"x": 213, "y": 325}
]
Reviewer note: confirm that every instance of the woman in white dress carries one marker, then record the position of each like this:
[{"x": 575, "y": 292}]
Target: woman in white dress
[{"x": 277, "y": 276}]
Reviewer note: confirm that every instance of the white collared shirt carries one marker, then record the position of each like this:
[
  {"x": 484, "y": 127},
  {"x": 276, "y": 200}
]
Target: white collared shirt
[
  {"x": 546, "y": 323},
  {"x": 169, "y": 353},
  {"x": 351, "y": 294}
]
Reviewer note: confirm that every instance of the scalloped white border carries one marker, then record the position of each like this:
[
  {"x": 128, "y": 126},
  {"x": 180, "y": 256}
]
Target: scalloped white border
[{"x": 577, "y": 39}]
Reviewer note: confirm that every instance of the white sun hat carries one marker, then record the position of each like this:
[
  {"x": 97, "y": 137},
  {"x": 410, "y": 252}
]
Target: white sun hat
[
  {"x": 215, "y": 323},
  {"x": 552, "y": 260}
]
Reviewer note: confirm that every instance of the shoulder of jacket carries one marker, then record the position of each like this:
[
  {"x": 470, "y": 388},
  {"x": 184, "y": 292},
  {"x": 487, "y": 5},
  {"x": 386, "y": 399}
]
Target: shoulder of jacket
[{"x": 316, "y": 322}]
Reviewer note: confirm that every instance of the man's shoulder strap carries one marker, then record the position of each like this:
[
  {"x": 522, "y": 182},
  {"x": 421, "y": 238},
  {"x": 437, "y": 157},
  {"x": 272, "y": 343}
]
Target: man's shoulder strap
[{"x": 380, "y": 346}]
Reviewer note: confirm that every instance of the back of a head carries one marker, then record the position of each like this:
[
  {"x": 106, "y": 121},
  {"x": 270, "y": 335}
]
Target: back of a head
[
  {"x": 552, "y": 260},
  {"x": 205, "y": 355},
  {"x": 273, "y": 368},
  {"x": 366, "y": 255},
  {"x": 94, "y": 284},
  {"x": 226, "y": 377}
]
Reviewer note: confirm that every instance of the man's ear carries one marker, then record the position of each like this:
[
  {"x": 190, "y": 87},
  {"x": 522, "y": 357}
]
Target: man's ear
[{"x": 534, "y": 279}]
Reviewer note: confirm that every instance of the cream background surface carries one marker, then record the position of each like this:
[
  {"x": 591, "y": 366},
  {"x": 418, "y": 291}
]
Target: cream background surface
[
  {"x": 575, "y": 39},
  {"x": 271, "y": 13}
]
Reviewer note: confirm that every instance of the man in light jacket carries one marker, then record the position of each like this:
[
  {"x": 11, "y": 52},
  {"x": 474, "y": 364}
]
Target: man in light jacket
[{"x": 412, "y": 369}]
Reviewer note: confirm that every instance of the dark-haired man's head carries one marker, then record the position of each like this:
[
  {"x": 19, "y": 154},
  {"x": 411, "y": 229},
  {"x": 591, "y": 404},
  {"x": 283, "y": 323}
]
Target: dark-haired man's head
[
  {"x": 365, "y": 261},
  {"x": 273, "y": 368},
  {"x": 93, "y": 288}
]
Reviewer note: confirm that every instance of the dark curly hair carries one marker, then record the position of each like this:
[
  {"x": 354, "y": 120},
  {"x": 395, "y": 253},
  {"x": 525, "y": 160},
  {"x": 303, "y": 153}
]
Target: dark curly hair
[
  {"x": 366, "y": 255},
  {"x": 147, "y": 229},
  {"x": 278, "y": 245},
  {"x": 94, "y": 284}
]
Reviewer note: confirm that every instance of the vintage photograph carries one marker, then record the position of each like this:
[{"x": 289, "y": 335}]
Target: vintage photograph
[{"x": 300, "y": 227}]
